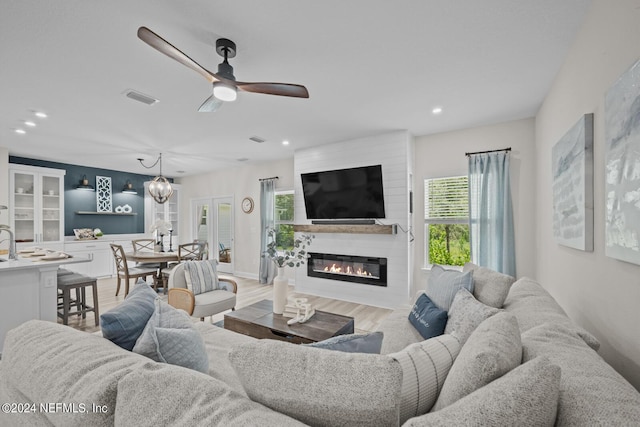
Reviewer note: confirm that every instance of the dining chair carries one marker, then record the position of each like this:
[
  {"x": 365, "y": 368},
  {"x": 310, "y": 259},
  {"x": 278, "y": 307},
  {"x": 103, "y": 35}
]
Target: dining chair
[
  {"x": 125, "y": 272},
  {"x": 194, "y": 251}
]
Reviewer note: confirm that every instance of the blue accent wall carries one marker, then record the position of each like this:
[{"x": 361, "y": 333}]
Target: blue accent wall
[{"x": 78, "y": 200}]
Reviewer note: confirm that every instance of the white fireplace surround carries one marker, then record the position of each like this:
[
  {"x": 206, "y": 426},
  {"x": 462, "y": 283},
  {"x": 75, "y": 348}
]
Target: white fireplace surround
[{"x": 394, "y": 152}]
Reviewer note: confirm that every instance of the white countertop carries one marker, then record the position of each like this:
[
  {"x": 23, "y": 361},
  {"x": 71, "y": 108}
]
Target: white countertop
[{"x": 26, "y": 263}]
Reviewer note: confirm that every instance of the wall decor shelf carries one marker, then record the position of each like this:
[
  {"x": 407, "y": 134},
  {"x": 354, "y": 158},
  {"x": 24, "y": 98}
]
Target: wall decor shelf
[
  {"x": 345, "y": 228},
  {"x": 106, "y": 213}
]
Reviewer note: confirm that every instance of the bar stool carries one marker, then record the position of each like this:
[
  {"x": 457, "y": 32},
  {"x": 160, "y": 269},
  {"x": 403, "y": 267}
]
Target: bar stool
[{"x": 79, "y": 282}]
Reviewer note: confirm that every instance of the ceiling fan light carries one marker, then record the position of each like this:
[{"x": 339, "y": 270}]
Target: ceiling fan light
[
  {"x": 160, "y": 189},
  {"x": 224, "y": 92}
]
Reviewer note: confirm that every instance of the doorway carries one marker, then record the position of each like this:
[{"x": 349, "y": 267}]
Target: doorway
[{"x": 212, "y": 222}]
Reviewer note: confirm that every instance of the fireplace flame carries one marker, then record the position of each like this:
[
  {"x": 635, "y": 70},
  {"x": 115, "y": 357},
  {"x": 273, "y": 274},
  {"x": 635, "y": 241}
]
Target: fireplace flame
[{"x": 348, "y": 270}]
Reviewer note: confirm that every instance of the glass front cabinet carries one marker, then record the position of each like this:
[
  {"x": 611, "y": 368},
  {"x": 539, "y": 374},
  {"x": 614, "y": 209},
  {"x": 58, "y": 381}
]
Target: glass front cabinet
[{"x": 37, "y": 204}]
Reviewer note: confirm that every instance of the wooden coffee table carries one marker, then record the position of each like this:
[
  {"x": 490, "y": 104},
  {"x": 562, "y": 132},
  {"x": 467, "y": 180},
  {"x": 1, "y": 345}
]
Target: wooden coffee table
[{"x": 259, "y": 321}]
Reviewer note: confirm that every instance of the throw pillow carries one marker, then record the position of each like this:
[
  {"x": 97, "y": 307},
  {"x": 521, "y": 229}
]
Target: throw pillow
[
  {"x": 125, "y": 323},
  {"x": 201, "y": 276},
  {"x": 491, "y": 351},
  {"x": 320, "y": 387},
  {"x": 170, "y": 337},
  {"x": 591, "y": 392},
  {"x": 466, "y": 314},
  {"x": 490, "y": 287},
  {"x": 526, "y": 396},
  {"x": 352, "y": 343},
  {"x": 425, "y": 366},
  {"x": 445, "y": 284},
  {"x": 427, "y": 318}
]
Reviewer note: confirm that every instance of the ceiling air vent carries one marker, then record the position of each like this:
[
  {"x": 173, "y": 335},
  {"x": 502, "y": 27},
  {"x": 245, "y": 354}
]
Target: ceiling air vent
[
  {"x": 257, "y": 139},
  {"x": 140, "y": 97}
]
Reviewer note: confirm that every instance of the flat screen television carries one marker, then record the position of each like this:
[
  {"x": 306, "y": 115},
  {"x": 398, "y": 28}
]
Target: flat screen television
[{"x": 354, "y": 193}]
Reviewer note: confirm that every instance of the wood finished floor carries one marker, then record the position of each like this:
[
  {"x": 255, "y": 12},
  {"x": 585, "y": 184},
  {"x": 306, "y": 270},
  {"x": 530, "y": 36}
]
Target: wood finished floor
[{"x": 367, "y": 318}]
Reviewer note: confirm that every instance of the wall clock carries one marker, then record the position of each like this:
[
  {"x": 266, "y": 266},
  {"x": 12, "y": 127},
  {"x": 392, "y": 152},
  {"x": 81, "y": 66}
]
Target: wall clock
[{"x": 247, "y": 205}]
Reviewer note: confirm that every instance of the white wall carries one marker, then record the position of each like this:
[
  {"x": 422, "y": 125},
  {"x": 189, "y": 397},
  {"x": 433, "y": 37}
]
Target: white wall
[
  {"x": 392, "y": 151},
  {"x": 238, "y": 182},
  {"x": 600, "y": 293},
  {"x": 443, "y": 155}
]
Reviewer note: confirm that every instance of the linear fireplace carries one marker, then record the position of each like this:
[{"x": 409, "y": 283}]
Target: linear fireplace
[{"x": 348, "y": 268}]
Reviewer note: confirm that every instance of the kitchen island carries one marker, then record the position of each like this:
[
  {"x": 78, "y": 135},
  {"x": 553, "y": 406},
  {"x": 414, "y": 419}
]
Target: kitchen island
[{"x": 28, "y": 290}]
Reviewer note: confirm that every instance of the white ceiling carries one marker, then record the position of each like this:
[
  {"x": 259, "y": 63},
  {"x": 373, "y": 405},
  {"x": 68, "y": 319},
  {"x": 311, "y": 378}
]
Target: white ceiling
[{"x": 371, "y": 66}]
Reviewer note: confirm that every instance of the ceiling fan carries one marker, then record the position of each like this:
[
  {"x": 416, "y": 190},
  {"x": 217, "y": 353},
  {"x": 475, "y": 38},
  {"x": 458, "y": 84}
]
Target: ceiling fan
[{"x": 225, "y": 85}]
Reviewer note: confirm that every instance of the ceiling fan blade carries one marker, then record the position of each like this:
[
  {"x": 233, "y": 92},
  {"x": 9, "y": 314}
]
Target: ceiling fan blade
[
  {"x": 210, "y": 105},
  {"x": 161, "y": 45},
  {"x": 282, "y": 89}
]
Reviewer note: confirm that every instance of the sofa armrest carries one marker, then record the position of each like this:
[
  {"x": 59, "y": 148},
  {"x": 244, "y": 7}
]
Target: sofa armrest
[{"x": 228, "y": 284}]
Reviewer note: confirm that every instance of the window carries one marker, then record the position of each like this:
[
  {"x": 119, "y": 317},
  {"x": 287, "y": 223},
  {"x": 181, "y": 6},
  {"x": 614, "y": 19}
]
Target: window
[
  {"x": 446, "y": 221},
  {"x": 283, "y": 215}
]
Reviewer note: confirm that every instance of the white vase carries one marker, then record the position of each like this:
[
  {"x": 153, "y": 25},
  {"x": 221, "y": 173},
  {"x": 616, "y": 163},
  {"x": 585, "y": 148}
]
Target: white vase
[{"x": 280, "y": 288}]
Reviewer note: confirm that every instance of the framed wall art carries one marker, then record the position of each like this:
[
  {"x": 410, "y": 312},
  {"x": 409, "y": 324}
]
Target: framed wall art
[
  {"x": 622, "y": 163},
  {"x": 572, "y": 166},
  {"x": 103, "y": 194}
]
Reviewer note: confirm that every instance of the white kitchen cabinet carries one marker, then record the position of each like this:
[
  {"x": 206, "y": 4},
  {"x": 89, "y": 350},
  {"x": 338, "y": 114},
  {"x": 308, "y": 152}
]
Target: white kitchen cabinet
[
  {"x": 36, "y": 208},
  {"x": 168, "y": 211},
  {"x": 98, "y": 251}
]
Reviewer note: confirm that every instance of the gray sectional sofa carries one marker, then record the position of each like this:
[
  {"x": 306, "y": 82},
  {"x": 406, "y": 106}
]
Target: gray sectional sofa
[{"x": 54, "y": 375}]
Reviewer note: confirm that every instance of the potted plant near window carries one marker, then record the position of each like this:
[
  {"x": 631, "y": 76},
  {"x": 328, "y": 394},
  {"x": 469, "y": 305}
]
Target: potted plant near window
[{"x": 294, "y": 257}]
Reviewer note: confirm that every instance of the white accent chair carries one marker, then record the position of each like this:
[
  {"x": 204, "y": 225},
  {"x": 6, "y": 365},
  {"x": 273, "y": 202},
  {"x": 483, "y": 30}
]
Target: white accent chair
[{"x": 204, "y": 304}]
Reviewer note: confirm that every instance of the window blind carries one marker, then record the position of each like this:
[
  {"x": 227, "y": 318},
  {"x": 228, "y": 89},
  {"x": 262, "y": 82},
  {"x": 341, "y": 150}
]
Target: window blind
[{"x": 446, "y": 200}]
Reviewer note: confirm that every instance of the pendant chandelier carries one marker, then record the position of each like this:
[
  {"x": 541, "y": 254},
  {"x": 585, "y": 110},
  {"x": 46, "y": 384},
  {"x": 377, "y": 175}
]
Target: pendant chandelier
[{"x": 160, "y": 187}]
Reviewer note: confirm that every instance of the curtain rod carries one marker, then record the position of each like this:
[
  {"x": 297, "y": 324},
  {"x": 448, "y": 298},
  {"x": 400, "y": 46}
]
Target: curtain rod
[
  {"x": 267, "y": 179},
  {"x": 488, "y": 151}
]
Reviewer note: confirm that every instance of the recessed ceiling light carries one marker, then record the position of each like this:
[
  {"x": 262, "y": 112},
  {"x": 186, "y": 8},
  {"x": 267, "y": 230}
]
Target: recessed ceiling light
[
  {"x": 437, "y": 110},
  {"x": 242, "y": 159},
  {"x": 41, "y": 114},
  {"x": 29, "y": 123},
  {"x": 257, "y": 139},
  {"x": 285, "y": 142},
  {"x": 21, "y": 131}
]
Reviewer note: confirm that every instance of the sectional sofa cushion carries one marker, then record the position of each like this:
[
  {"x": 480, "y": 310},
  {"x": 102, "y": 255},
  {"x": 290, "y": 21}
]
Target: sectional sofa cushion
[
  {"x": 427, "y": 318},
  {"x": 425, "y": 366},
  {"x": 466, "y": 314},
  {"x": 526, "y": 396},
  {"x": 444, "y": 284},
  {"x": 352, "y": 343},
  {"x": 320, "y": 387},
  {"x": 490, "y": 287},
  {"x": 44, "y": 362},
  {"x": 218, "y": 343},
  {"x": 491, "y": 351},
  {"x": 124, "y": 324},
  {"x": 170, "y": 337},
  {"x": 398, "y": 333},
  {"x": 201, "y": 276},
  {"x": 591, "y": 391},
  {"x": 167, "y": 395},
  {"x": 530, "y": 302}
]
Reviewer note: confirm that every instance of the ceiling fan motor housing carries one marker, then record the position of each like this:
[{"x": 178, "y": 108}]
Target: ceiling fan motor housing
[{"x": 227, "y": 49}]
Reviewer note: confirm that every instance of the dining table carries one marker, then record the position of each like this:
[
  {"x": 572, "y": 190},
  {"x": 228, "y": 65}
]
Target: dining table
[{"x": 162, "y": 258}]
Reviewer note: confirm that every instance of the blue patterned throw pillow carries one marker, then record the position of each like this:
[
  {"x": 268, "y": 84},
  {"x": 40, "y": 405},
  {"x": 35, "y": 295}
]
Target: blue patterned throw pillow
[
  {"x": 124, "y": 324},
  {"x": 427, "y": 318},
  {"x": 353, "y": 343}
]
